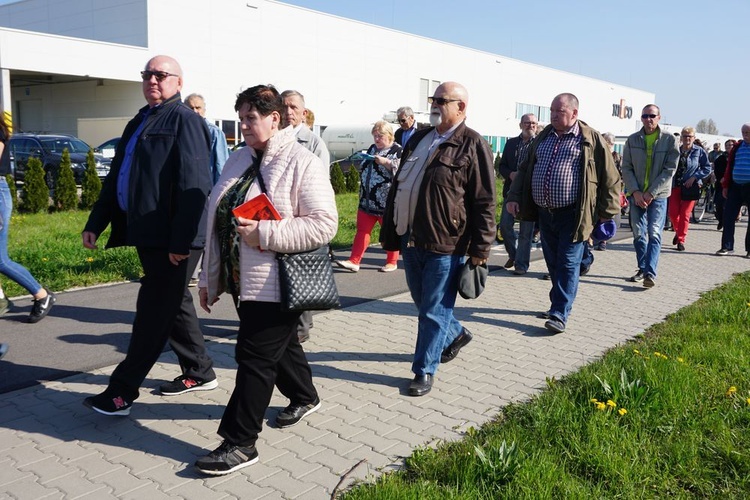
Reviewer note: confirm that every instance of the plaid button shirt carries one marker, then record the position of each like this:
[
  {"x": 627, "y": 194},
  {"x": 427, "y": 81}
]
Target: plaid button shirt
[{"x": 557, "y": 173}]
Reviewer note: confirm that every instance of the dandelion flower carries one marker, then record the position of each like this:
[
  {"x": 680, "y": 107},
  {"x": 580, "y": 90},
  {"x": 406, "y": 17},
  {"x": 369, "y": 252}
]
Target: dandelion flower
[
  {"x": 611, "y": 403},
  {"x": 681, "y": 360},
  {"x": 731, "y": 391},
  {"x": 622, "y": 411},
  {"x": 594, "y": 400},
  {"x": 44, "y": 259},
  {"x": 601, "y": 406},
  {"x": 657, "y": 354},
  {"x": 89, "y": 259},
  {"x": 748, "y": 401},
  {"x": 638, "y": 352}
]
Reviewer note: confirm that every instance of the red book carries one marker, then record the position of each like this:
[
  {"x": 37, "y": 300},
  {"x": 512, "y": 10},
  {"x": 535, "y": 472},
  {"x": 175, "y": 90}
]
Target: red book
[{"x": 259, "y": 208}]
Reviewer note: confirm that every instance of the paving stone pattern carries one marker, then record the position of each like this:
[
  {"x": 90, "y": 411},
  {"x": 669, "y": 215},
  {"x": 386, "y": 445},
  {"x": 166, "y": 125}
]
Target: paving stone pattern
[{"x": 51, "y": 446}]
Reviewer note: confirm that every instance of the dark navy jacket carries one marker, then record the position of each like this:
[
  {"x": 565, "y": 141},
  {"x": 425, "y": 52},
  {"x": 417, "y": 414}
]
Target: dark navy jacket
[{"x": 169, "y": 183}]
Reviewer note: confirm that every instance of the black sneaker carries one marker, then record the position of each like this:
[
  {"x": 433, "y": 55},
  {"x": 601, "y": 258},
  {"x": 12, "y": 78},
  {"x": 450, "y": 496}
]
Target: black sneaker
[
  {"x": 41, "y": 307},
  {"x": 555, "y": 325},
  {"x": 509, "y": 264},
  {"x": 183, "y": 384},
  {"x": 724, "y": 251},
  {"x": 226, "y": 459},
  {"x": 292, "y": 414},
  {"x": 649, "y": 281},
  {"x": 106, "y": 404},
  {"x": 637, "y": 277}
]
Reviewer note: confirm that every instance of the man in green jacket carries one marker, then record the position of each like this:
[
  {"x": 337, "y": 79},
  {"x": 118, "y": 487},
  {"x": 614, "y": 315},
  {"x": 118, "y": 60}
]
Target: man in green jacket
[{"x": 569, "y": 180}]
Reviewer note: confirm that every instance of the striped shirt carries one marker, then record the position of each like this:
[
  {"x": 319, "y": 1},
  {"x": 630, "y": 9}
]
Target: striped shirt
[
  {"x": 557, "y": 173},
  {"x": 741, "y": 168}
]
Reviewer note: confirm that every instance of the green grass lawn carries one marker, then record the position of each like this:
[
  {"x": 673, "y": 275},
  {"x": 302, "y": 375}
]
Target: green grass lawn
[{"x": 665, "y": 416}]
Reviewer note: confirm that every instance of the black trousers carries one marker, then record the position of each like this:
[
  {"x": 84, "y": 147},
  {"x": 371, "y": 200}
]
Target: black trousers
[
  {"x": 268, "y": 353},
  {"x": 164, "y": 312}
]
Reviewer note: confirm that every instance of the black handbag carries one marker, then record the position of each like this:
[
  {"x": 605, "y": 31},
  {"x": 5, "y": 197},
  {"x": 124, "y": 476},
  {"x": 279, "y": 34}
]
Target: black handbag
[
  {"x": 306, "y": 281},
  {"x": 306, "y": 278},
  {"x": 690, "y": 193}
]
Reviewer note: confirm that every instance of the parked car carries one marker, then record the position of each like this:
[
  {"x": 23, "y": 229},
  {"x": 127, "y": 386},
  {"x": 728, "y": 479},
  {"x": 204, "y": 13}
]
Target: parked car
[
  {"x": 49, "y": 148},
  {"x": 107, "y": 149},
  {"x": 353, "y": 160}
]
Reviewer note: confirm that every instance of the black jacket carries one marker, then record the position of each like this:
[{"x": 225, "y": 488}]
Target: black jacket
[
  {"x": 399, "y": 134},
  {"x": 169, "y": 183},
  {"x": 509, "y": 162},
  {"x": 455, "y": 212}
]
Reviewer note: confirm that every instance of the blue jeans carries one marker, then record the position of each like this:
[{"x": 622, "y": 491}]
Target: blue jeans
[
  {"x": 9, "y": 268},
  {"x": 522, "y": 253},
  {"x": 648, "y": 224},
  {"x": 737, "y": 195},
  {"x": 563, "y": 257},
  {"x": 432, "y": 279}
]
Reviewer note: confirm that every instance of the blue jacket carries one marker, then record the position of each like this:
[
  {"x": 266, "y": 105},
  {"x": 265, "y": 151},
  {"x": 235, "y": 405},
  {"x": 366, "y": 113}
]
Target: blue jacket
[
  {"x": 168, "y": 183},
  {"x": 698, "y": 166}
]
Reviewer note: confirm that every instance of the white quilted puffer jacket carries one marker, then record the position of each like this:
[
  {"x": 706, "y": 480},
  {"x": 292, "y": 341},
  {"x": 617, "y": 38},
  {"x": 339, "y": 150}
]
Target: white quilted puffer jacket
[{"x": 298, "y": 184}]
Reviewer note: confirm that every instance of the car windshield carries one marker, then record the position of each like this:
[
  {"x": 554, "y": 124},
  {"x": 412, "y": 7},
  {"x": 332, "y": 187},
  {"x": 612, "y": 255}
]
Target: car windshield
[{"x": 57, "y": 144}]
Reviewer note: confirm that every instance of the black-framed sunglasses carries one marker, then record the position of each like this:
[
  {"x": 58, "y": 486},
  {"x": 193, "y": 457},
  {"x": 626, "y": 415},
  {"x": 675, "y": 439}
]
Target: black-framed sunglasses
[
  {"x": 441, "y": 101},
  {"x": 648, "y": 115},
  {"x": 403, "y": 120},
  {"x": 160, "y": 75}
]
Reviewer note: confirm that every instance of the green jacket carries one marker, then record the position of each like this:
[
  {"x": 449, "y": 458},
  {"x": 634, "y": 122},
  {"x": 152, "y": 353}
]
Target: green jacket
[{"x": 600, "y": 182}]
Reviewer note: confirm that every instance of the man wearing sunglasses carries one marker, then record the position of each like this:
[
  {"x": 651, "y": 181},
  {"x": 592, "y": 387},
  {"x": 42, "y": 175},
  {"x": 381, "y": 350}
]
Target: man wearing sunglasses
[
  {"x": 154, "y": 199},
  {"x": 568, "y": 180},
  {"x": 441, "y": 208},
  {"x": 408, "y": 125},
  {"x": 649, "y": 161}
]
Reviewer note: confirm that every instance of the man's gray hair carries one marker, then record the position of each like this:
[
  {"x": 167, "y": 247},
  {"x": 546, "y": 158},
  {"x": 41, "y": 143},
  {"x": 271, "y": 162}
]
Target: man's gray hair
[
  {"x": 292, "y": 93},
  {"x": 194, "y": 96},
  {"x": 404, "y": 110},
  {"x": 570, "y": 99},
  {"x": 609, "y": 137}
]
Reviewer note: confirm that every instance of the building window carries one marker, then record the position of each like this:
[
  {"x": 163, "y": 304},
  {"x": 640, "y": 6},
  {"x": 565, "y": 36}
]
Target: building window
[
  {"x": 542, "y": 112},
  {"x": 426, "y": 89}
]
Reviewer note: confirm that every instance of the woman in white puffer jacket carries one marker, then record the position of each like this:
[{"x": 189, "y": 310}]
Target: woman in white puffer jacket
[{"x": 240, "y": 259}]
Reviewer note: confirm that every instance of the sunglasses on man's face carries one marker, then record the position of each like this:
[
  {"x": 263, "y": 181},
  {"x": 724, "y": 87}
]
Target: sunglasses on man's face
[
  {"x": 648, "y": 115},
  {"x": 160, "y": 75},
  {"x": 441, "y": 101}
]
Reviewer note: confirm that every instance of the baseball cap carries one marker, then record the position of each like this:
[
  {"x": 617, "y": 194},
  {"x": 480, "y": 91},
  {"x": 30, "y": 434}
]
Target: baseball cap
[{"x": 605, "y": 230}]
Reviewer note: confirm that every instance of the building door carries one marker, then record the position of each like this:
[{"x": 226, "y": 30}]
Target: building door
[{"x": 29, "y": 116}]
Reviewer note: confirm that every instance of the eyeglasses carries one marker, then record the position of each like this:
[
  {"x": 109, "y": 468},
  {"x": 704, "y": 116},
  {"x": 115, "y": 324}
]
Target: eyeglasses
[
  {"x": 441, "y": 101},
  {"x": 687, "y": 136},
  {"x": 528, "y": 123},
  {"x": 403, "y": 120},
  {"x": 648, "y": 115},
  {"x": 160, "y": 75}
]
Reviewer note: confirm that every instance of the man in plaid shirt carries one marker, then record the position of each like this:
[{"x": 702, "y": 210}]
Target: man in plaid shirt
[{"x": 569, "y": 180}]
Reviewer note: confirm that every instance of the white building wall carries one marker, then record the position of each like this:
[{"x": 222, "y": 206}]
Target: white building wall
[
  {"x": 116, "y": 21},
  {"x": 350, "y": 72}
]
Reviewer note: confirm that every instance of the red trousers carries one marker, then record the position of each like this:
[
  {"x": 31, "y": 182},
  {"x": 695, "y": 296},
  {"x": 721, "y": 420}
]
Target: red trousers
[
  {"x": 365, "y": 224},
  {"x": 680, "y": 211}
]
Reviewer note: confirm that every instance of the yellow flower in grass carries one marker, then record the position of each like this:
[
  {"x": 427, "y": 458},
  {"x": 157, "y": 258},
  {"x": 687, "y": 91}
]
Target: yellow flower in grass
[
  {"x": 601, "y": 406},
  {"x": 89, "y": 259},
  {"x": 748, "y": 401},
  {"x": 622, "y": 411},
  {"x": 731, "y": 391},
  {"x": 44, "y": 259},
  {"x": 611, "y": 404},
  {"x": 594, "y": 400},
  {"x": 681, "y": 360},
  {"x": 636, "y": 351}
]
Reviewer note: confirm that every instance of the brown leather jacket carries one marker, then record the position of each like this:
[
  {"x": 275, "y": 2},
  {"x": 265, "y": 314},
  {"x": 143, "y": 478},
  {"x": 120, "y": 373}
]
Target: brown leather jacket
[{"x": 455, "y": 213}]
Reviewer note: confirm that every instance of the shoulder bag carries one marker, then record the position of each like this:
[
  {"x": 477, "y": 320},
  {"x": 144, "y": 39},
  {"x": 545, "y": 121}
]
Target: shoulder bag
[{"x": 306, "y": 278}]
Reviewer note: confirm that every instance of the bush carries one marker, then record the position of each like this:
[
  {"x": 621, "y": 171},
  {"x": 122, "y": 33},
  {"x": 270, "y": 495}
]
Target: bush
[
  {"x": 35, "y": 196},
  {"x": 337, "y": 179},
  {"x": 65, "y": 196},
  {"x": 13, "y": 192},
  {"x": 91, "y": 185},
  {"x": 352, "y": 180},
  {"x": 497, "y": 164}
]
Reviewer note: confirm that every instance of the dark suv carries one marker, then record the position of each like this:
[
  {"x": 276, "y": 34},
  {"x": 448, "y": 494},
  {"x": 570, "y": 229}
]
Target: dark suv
[{"x": 49, "y": 148}]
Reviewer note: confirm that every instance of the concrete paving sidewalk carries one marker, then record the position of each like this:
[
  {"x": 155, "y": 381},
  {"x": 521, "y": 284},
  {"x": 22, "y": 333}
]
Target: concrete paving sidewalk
[{"x": 51, "y": 446}]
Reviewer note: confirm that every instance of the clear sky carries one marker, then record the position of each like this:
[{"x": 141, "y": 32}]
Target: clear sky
[{"x": 689, "y": 53}]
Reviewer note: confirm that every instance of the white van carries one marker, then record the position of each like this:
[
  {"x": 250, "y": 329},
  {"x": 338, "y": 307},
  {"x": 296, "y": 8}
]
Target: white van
[{"x": 343, "y": 140}]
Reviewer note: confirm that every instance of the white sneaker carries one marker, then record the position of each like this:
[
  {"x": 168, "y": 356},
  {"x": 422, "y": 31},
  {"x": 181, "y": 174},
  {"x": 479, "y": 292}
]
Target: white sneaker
[
  {"x": 388, "y": 268},
  {"x": 348, "y": 265}
]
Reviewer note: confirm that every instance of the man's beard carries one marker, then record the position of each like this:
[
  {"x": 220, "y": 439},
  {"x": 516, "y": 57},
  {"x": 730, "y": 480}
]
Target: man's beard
[{"x": 435, "y": 119}]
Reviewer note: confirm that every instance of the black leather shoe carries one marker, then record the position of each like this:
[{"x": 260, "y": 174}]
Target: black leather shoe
[
  {"x": 450, "y": 352},
  {"x": 421, "y": 385}
]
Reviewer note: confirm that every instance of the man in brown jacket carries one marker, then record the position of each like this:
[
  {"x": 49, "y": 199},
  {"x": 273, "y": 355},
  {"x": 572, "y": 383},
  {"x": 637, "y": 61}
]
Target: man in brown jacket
[{"x": 441, "y": 207}]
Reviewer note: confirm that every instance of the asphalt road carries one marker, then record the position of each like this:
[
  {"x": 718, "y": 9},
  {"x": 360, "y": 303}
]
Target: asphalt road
[{"x": 89, "y": 328}]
